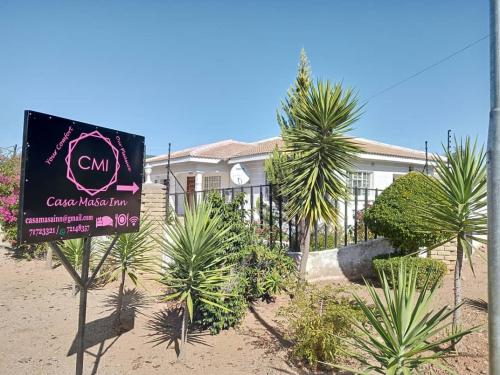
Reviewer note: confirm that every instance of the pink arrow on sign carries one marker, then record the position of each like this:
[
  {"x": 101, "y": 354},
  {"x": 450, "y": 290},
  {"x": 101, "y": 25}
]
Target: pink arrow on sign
[{"x": 133, "y": 188}]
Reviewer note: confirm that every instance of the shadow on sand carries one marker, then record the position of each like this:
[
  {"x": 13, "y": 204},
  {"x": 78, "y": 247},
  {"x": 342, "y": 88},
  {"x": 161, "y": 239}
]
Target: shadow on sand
[
  {"x": 165, "y": 327},
  {"x": 103, "y": 332}
]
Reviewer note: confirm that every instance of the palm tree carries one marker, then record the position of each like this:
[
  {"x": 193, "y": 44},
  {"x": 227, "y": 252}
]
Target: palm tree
[
  {"x": 318, "y": 155},
  {"x": 459, "y": 208},
  {"x": 194, "y": 268},
  {"x": 130, "y": 255}
]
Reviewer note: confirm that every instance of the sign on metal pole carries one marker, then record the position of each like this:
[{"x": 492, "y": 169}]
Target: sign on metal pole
[{"x": 78, "y": 180}]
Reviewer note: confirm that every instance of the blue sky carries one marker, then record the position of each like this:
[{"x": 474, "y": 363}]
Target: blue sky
[{"x": 191, "y": 72}]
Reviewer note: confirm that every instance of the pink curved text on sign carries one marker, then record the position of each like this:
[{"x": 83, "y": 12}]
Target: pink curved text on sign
[{"x": 85, "y": 162}]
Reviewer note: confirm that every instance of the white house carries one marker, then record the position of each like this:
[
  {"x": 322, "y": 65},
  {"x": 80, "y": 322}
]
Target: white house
[{"x": 208, "y": 167}]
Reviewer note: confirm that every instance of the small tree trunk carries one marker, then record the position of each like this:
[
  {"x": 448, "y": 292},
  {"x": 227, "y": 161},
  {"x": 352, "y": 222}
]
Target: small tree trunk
[
  {"x": 304, "y": 245},
  {"x": 119, "y": 302},
  {"x": 458, "y": 287},
  {"x": 184, "y": 331}
]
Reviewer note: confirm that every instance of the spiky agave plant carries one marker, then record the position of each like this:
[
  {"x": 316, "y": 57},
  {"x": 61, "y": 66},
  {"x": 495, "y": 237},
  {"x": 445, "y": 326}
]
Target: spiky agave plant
[
  {"x": 130, "y": 255},
  {"x": 194, "y": 269},
  {"x": 402, "y": 331}
]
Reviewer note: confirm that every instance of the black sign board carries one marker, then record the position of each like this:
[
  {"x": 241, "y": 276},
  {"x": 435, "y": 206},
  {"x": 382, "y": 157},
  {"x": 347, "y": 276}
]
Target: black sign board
[{"x": 78, "y": 180}]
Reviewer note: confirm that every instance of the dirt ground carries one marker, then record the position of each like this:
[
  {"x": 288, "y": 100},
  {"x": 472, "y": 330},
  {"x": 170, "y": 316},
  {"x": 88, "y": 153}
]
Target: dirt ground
[
  {"x": 38, "y": 321},
  {"x": 473, "y": 348}
]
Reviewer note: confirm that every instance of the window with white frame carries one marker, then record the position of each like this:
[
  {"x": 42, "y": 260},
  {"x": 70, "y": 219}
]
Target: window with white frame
[
  {"x": 211, "y": 182},
  {"x": 361, "y": 180}
]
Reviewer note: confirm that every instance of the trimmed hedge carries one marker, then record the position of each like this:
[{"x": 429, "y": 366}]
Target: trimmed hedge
[
  {"x": 433, "y": 268},
  {"x": 395, "y": 214}
]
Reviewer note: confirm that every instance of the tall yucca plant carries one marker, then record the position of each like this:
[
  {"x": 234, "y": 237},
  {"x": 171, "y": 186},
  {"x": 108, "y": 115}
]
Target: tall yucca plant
[
  {"x": 402, "y": 330},
  {"x": 194, "y": 269},
  {"x": 459, "y": 208},
  {"x": 318, "y": 154},
  {"x": 274, "y": 165},
  {"x": 131, "y": 254}
]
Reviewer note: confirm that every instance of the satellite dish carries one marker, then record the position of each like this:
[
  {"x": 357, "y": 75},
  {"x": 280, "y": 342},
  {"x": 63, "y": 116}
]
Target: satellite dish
[{"x": 238, "y": 175}]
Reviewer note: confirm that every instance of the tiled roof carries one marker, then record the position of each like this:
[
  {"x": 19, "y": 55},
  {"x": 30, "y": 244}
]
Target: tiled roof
[
  {"x": 229, "y": 149},
  {"x": 261, "y": 147},
  {"x": 218, "y": 150},
  {"x": 378, "y": 148}
]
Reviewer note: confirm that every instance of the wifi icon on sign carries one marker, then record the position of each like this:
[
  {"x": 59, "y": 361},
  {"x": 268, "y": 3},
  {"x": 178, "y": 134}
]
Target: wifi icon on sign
[{"x": 133, "y": 220}]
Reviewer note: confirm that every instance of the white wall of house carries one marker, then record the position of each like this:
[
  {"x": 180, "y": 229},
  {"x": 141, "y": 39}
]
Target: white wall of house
[{"x": 378, "y": 172}]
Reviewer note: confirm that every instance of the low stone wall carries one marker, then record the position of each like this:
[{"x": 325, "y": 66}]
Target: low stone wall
[
  {"x": 153, "y": 205},
  {"x": 446, "y": 253},
  {"x": 351, "y": 262}
]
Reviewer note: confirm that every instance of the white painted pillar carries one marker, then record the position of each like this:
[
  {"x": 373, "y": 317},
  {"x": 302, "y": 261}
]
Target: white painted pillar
[
  {"x": 148, "y": 169},
  {"x": 198, "y": 185}
]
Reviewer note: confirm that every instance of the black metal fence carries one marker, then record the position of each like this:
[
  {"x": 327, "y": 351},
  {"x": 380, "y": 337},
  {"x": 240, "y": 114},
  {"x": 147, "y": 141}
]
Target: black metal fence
[{"x": 269, "y": 217}]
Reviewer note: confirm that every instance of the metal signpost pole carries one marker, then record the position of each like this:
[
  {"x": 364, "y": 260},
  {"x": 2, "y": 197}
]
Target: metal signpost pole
[
  {"x": 449, "y": 145},
  {"x": 80, "y": 342},
  {"x": 494, "y": 203}
]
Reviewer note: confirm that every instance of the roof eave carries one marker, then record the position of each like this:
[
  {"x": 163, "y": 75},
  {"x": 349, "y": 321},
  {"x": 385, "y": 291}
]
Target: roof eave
[{"x": 184, "y": 159}]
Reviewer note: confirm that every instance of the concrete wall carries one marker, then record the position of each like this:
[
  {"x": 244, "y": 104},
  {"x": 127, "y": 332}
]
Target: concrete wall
[{"x": 347, "y": 263}]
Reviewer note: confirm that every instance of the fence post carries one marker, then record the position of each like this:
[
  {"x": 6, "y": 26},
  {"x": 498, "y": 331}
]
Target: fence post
[
  {"x": 176, "y": 203},
  {"x": 345, "y": 222},
  {"x": 242, "y": 204},
  {"x": 376, "y": 196},
  {"x": 364, "y": 210},
  {"x": 251, "y": 204},
  {"x": 316, "y": 235},
  {"x": 261, "y": 208},
  {"x": 296, "y": 234},
  {"x": 280, "y": 218},
  {"x": 335, "y": 229},
  {"x": 326, "y": 236},
  {"x": 270, "y": 187},
  {"x": 355, "y": 215}
]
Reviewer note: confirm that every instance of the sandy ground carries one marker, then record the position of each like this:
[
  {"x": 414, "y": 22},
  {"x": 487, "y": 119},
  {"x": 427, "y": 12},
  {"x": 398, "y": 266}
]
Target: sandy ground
[
  {"x": 473, "y": 348},
  {"x": 38, "y": 321}
]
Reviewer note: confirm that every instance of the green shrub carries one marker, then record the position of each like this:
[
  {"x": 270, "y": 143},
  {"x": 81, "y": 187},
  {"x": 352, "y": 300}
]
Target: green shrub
[
  {"x": 433, "y": 268},
  {"x": 267, "y": 271},
  {"x": 215, "y": 319},
  {"x": 318, "y": 322},
  {"x": 395, "y": 215},
  {"x": 257, "y": 271}
]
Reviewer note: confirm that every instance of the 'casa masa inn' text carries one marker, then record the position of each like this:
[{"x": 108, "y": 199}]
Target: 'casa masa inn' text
[{"x": 85, "y": 202}]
